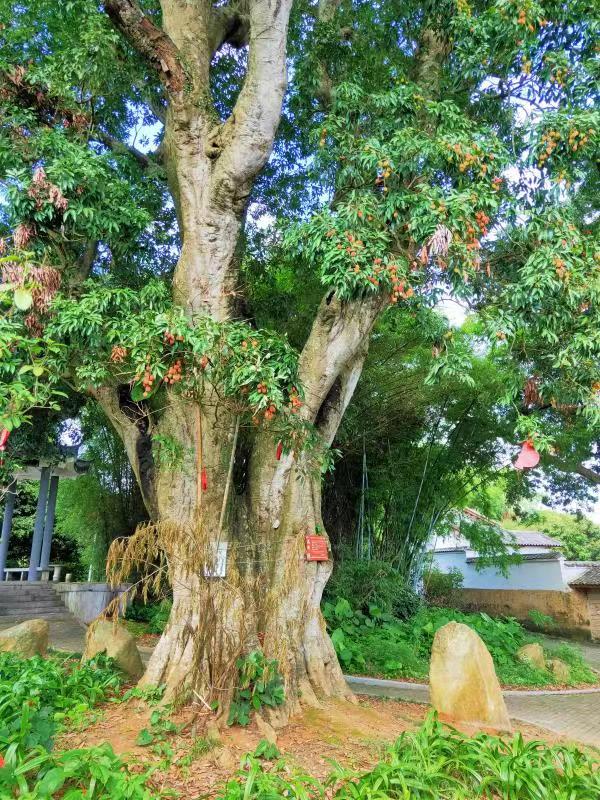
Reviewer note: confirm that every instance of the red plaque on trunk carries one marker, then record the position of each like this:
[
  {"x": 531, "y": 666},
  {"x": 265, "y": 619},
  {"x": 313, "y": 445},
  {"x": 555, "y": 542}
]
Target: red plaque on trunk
[{"x": 316, "y": 548}]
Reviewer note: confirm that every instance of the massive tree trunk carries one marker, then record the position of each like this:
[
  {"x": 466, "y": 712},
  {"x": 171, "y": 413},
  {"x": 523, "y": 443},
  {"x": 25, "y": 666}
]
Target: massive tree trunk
[{"x": 270, "y": 595}]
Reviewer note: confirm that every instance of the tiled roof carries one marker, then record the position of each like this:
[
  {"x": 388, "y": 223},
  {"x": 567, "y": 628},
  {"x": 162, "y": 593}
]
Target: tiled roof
[
  {"x": 590, "y": 577},
  {"x": 519, "y": 538},
  {"x": 532, "y": 539}
]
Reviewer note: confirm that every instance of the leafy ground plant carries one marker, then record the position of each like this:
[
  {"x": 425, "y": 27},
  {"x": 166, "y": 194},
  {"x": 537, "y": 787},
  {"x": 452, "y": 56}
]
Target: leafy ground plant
[
  {"x": 380, "y": 644},
  {"x": 260, "y": 684},
  {"x": 437, "y": 763},
  {"x": 94, "y": 772},
  {"x": 37, "y": 695}
]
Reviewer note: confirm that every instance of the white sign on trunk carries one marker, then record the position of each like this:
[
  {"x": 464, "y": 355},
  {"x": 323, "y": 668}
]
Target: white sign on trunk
[{"x": 218, "y": 566}]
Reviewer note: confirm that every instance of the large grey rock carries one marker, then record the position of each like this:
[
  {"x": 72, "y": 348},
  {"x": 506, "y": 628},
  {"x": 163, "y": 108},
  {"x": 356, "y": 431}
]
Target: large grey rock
[
  {"x": 116, "y": 642},
  {"x": 462, "y": 680},
  {"x": 532, "y": 654},
  {"x": 26, "y": 639}
]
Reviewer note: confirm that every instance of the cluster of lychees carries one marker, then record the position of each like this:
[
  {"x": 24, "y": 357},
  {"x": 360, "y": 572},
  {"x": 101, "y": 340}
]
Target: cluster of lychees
[
  {"x": 174, "y": 373},
  {"x": 171, "y": 338},
  {"x": 295, "y": 401}
]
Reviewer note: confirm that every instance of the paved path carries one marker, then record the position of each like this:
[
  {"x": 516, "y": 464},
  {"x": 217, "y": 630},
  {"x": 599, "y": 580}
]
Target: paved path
[
  {"x": 575, "y": 714},
  {"x": 65, "y": 634}
]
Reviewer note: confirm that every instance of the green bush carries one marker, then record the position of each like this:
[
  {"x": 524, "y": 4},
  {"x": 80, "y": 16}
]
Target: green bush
[
  {"x": 372, "y": 583},
  {"x": 436, "y": 763},
  {"x": 380, "y": 644},
  {"x": 543, "y": 622},
  {"x": 40, "y": 696},
  {"x": 259, "y": 684},
  {"x": 442, "y": 588}
]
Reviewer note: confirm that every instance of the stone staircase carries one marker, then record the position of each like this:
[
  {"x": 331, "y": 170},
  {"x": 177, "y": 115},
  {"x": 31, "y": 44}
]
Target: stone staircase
[{"x": 20, "y": 601}]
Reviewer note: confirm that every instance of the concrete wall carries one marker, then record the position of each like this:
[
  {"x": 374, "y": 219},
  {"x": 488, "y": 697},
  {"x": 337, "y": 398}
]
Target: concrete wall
[
  {"x": 569, "y": 609},
  {"x": 530, "y": 575},
  {"x": 87, "y": 600}
]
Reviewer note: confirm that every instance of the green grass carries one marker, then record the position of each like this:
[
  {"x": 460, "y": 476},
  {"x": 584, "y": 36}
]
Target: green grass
[
  {"x": 380, "y": 645},
  {"x": 433, "y": 763},
  {"x": 436, "y": 763}
]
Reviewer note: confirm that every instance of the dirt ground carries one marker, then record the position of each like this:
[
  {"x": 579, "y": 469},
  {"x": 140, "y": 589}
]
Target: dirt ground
[{"x": 354, "y": 736}]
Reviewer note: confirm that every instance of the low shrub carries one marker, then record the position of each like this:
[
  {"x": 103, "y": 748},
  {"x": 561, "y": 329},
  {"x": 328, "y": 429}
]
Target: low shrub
[
  {"x": 38, "y": 697},
  {"x": 542, "y": 622},
  {"x": 436, "y": 762},
  {"x": 94, "y": 772},
  {"x": 151, "y": 617},
  {"x": 442, "y": 588},
  {"x": 372, "y": 583},
  {"x": 259, "y": 684}
]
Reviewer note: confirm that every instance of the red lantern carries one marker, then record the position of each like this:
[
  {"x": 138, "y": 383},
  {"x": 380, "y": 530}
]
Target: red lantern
[
  {"x": 528, "y": 457},
  {"x": 279, "y": 451},
  {"x": 204, "y": 479}
]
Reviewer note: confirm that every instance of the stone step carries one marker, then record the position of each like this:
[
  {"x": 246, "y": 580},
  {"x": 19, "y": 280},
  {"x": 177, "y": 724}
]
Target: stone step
[
  {"x": 20, "y": 601},
  {"x": 7, "y": 597},
  {"x": 15, "y": 619},
  {"x": 25, "y": 608},
  {"x": 26, "y": 589}
]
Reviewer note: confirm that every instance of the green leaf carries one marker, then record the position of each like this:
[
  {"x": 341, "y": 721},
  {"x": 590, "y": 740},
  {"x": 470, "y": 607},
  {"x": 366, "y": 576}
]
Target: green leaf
[
  {"x": 52, "y": 781},
  {"x": 144, "y": 738}
]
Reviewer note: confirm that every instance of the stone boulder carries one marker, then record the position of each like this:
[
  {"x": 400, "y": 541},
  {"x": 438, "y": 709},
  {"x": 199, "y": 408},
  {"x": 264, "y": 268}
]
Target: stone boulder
[
  {"x": 559, "y": 669},
  {"x": 532, "y": 654},
  {"x": 462, "y": 680},
  {"x": 27, "y": 639},
  {"x": 115, "y": 641}
]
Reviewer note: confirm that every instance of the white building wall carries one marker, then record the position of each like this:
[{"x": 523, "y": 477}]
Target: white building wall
[
  {"x": 572, "y": 571},
  {"x": 546, "y": 575}
]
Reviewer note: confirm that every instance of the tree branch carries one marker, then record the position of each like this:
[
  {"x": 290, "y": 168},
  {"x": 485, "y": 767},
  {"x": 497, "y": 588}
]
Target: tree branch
[
  {"x": 85, "y": 262},
  {"x": 122, "y": 148},
  {"x": 149, "y": 40},
  {"x": 244, "y": 142},
  {"x": 132, "y": 426},
  {"x": 587, "y": 473},
  {"x": 334, "y": 351},
  {"x": 229, "y": 25}
]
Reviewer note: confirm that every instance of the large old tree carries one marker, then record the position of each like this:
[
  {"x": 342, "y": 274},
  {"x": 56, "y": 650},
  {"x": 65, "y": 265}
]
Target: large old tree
[{"x": 161, "y": 179}]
